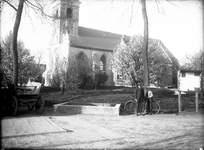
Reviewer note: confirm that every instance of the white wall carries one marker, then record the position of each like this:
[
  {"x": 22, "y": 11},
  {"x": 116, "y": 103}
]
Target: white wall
[{"x": 188, "y": 82}]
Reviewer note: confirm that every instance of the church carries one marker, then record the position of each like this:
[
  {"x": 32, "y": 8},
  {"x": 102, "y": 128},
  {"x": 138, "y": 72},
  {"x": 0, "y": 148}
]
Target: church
[{"x": 71, "y": 40}]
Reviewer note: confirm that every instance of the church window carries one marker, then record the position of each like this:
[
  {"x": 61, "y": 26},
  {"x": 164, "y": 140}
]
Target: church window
[
  {"x": 82, "y": 60},
  {"x": 103, "y": 63},
  {"x": 81, "y": 56},
  {"x": 69, "y": 12}
]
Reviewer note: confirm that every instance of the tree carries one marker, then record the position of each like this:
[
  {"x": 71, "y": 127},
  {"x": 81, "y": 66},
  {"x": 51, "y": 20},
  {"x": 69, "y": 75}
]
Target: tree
[
  {"x": 194, "y": 61},
  {"x": 27, "y": 67},
  {"x": 128, "y": 61},
  {"x": 14, "y": 41},
  {"x": 37, "y": 7},
  {"x": 145, "y": 45}
]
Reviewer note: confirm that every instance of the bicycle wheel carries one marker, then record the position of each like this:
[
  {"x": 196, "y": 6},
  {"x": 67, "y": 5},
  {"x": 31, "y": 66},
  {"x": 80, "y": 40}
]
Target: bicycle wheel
[
  {"x": 130, "y": 106},
  {"x": 155, "y": 107}
]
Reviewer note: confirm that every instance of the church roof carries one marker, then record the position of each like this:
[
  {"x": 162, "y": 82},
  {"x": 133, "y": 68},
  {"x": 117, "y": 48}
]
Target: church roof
[
  {"x": 168, "y": 52},
  {"x": 95, "y": 39},
  {"x": 93, "y": 43},
  {"x": 83, "y": 31}
]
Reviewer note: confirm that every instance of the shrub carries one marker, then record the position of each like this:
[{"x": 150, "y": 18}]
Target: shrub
[
  {"x": 84, "y": 70},
  {"x": 100, "y": 78},
  {"x": 76, "y": 74},
  {"x": 55, "y": 81},
  {"x": 73, "y": 80}
]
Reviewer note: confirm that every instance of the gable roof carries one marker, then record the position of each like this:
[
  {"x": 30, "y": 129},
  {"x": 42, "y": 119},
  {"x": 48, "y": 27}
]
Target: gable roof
[{"x": 169, "y": 54}]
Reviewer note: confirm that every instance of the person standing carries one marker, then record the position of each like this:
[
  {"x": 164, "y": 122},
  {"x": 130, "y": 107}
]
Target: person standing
[{"x": 149, "y": 97}]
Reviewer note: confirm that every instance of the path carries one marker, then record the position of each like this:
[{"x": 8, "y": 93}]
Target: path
[
  {"x": 28, "y": 126},
  {"x": 116, "y": 132}
]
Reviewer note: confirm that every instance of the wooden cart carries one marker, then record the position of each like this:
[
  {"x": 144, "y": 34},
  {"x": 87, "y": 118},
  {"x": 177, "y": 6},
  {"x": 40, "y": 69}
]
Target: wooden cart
[{"x": 26, "y": 96}]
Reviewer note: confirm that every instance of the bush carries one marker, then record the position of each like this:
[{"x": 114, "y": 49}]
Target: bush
[
  {"x": 55, "y": 82},
  {"x": 100, "y": 78},
  {"x": 84, "y": 69},
  {"x": 78, "y": 74},
  {"x": 73, "y": 80}
]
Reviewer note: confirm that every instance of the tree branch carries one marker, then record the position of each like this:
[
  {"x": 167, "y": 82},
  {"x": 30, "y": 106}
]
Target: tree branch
[
  {"x": 39, "y": 8},
  {"x": 10, "y": 5},
  {"x": 131, "y": 12}
]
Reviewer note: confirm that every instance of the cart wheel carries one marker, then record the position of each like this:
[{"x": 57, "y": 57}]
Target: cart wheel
[
  {"x": 39, "y": 106},
  {"x": 30, "y": 107},
  {"x": 14, "y": 106}
]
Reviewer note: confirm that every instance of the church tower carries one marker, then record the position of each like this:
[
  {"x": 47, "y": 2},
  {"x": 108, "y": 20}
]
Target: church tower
[{"x": 66, "y": 18}]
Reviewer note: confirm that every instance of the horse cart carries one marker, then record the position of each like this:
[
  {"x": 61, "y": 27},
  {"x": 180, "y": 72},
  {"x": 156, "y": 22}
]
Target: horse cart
[{"x": 23, "y": 96}]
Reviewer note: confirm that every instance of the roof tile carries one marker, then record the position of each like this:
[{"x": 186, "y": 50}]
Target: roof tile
[{"x": 93, "y": 43}]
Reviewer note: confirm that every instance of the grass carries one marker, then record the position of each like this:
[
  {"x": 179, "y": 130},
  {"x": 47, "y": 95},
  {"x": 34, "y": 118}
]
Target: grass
[{"x": 119, "y": 95}]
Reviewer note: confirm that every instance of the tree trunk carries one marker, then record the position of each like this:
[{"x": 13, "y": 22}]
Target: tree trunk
[
  {"x": 145, "y": 45},
  {"x": 14, "y": 41}
]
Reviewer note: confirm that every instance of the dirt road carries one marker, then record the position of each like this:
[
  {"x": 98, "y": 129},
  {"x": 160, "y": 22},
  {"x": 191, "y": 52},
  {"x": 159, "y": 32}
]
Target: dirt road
[{"x": 109, "y": 132}]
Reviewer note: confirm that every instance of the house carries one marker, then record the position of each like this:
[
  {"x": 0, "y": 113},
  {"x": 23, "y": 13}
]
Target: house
[
  {"x": 70, "y": 40},
  {"x": 189, "y": 80}
]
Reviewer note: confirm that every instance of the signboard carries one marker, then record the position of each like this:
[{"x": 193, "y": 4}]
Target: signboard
[{"x": 189, "y": 80}]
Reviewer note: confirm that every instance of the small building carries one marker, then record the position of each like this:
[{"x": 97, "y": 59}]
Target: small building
[{"x": 189, "y": 80}]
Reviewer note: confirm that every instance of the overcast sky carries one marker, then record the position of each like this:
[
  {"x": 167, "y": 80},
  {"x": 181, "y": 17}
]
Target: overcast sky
[{"x": 178, "y": 24}]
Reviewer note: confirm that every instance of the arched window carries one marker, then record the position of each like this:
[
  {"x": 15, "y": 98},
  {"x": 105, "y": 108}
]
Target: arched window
[
  {"x": 103, "y": 63},
  {"x": 82, "y": 56},
  {"x": 82, "y": 62},
  {"x": 69, "y": 12}
]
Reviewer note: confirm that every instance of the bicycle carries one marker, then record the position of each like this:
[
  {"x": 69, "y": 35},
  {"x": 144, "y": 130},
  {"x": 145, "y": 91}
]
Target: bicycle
[{"x": 131, "y": 106}]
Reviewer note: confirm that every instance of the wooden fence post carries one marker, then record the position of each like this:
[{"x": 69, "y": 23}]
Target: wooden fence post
[
  {"x": 196, "y": 101},
  {"x": 179, "y": 101}
]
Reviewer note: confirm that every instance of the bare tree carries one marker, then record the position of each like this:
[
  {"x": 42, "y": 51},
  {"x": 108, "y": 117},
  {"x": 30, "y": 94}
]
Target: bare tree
[
  {"x": 14, "y": 41},
  {"x": 145, "y": 45}
]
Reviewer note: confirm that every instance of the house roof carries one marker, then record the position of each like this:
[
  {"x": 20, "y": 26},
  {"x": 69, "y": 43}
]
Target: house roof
[{"x": 192, "y": 71}]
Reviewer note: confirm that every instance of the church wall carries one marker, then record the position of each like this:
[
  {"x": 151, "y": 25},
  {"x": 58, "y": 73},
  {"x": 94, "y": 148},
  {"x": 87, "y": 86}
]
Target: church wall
[{"x": 73, "y": 51}]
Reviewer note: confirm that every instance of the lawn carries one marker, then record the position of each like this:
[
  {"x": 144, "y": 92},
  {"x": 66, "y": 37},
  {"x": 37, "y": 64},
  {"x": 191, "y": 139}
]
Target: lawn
[{"x": 166, "y": 97}]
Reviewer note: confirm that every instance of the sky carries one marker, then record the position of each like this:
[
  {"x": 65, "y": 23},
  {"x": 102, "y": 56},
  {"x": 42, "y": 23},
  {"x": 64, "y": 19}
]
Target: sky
[{"x": 178, "y": 24}]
